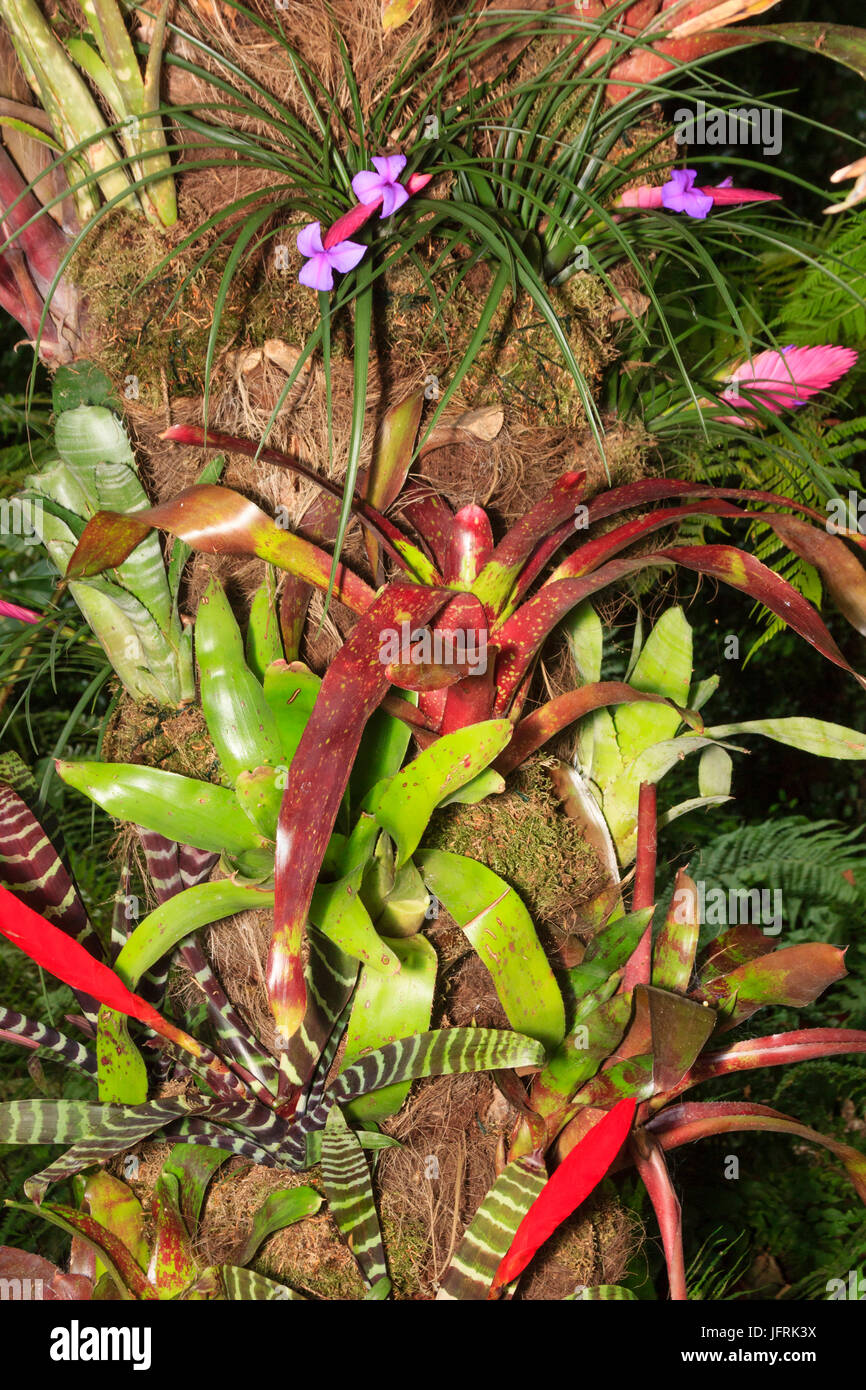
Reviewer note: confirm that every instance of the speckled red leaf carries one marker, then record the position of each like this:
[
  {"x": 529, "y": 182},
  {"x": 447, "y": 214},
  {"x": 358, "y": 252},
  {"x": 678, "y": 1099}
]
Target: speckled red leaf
[
  {"x": 499, "y": 575},
  {"x": 355, "y": 684},
  {"x": 106, "y": 1243},
  {"x": 432, "y": 519},
  {"x": 521, "y": 635},
  {"x": 685, "y": 1123},
  {"x": 217, "y": 521},
  {"x": 794, "y": 976},
  {"x": 572, "y": 1182}
]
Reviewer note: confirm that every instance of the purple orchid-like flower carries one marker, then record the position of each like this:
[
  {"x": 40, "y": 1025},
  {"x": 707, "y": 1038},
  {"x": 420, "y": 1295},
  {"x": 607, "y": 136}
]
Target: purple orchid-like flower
[
  {"x": 318, "y": 273},
  {"x": 371, "y": 186},
  {"x": 680, "y": 195}
]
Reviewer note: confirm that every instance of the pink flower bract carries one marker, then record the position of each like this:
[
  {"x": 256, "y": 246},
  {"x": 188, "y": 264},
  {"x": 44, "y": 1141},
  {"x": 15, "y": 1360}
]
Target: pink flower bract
[
  {"x": 14, "y": 610},
  {"x": 784, "y": 380}
]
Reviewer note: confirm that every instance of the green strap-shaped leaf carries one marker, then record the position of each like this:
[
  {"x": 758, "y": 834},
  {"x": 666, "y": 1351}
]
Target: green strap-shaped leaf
[
  {"x": 263, "y": 643},
  {"x": 260, "y": 794},
  {"x": 664, "y": 667},
  {"x": 501, "y": 930},
  {"x": 162, "y": 929},
  {"x": 413, "y": 794},
  {"x": 386, "y": 1009},
  {"x": 346, "y": 1175},
  {"x": 278, "y": 1210},
  {"x": 291, "y": 689},
  {"x": 811, "y": 735},
  {"x": 122, "y": 1075},
  {"x": 193, "y": 1167},
  {"x": 180, "y": 808},
  {"x": 239, "y": 719},
  {"x": 675, "y": 946},
  {"x": 337, "y": 911},
  {"x": 487, "y": 1240},
  {"x": 608, "y": 950},
  {"x": 245, "y": 1285}
]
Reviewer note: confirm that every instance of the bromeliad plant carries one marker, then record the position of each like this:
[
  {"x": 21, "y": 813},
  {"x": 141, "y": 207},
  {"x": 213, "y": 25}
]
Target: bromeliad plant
[
  {"x": 127, "y": 162},
  {"x": 135, "y": 614},
  {"x": 459, "y": 588},
  {"x": 111, "y": 1256}
]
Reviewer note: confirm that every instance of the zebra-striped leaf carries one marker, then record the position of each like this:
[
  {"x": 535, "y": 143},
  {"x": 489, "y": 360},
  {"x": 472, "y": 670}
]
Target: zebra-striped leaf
[
  {"x": 346, "y": 1175},
  {"x": 601, "y": 1292},
  {"x": 30, "y": 1033},
  {"x": 442, "y": 1052},
  {"x": 487, "y": 1239},
  {"x": 97, "y": 1131},
  {"x": 246, "y": 1285}
]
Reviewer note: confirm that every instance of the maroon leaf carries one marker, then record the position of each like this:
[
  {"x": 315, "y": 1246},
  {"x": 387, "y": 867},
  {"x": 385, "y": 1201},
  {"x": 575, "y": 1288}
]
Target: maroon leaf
[
  {"x": 692, "y": 1120},
  {"x": 217, "y": 521},
  {"x": 432, "y": 519},
  {"x": 550, "y": 719},
  {"x": 497, "y": 579},
  {"x": 775, "y": 1050},
  {"x": 650, "y": 1163},
  {"x": 355, "y": 684}
]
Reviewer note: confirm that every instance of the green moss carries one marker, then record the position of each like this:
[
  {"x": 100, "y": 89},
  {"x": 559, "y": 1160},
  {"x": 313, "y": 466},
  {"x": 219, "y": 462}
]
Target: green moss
[{"x": 524, "y": 837}]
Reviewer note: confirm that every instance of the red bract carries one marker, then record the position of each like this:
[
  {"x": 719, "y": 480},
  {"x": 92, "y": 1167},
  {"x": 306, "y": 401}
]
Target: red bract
[
  {"x": 572, "y": 1182},
  {"x": 62, "y": 956}
]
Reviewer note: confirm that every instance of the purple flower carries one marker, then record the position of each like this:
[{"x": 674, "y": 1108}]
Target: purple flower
[
  {"x": 370, "y": 187},
  {"x": 679, "y": 195},
  {"x": 318, "y": 273}
]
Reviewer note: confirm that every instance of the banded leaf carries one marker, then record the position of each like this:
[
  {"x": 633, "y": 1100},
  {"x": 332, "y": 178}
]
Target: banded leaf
[
  {"x": 245, "y": 1284},
  {"x": 346, "y": 1176},
  {"x": 492, "y": 1230}
]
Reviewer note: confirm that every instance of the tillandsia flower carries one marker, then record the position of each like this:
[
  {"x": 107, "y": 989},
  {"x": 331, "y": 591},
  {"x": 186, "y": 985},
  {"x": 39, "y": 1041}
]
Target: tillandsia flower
[
  {"x": 364, "y": 210},
  {"x": 379, "y": 185},
  {"x": 680, "y": 195},
  {"x": 14, "y": 610},
  {"x": 784, "y": 380},
  {"x": 318, "y": 273}
]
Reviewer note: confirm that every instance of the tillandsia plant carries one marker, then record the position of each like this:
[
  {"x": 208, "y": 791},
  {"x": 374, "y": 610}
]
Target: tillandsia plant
[
  {"x": 135, "y": 614},
  {"x": 127, "y": 161},
  {"x": 113, "y": 1256}
]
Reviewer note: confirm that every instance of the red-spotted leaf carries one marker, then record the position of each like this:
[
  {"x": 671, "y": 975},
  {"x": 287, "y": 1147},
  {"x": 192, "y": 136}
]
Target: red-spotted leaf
[
  {"x": 130, "y": 1281},
  {"x": 432, "y": 519},
  {"x": 731, "y": 949},
  {"x": 497, "y": 578},
  {"x": 550, "y": 719},
  {"x": 353, "y": 687},
  {"x": 570, "y": 1185},
  {"x": 794, "y": 976}
]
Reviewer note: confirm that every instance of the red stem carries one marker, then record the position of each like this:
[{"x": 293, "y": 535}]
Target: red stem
[{"x": 637, "y": 971}]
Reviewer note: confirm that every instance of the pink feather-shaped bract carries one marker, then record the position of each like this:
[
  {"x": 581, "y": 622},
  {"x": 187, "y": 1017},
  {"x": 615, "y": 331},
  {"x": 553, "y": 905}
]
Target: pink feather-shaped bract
[
  {"x": 14, "y": 610},
  {"x": 787, "y": 379}
]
